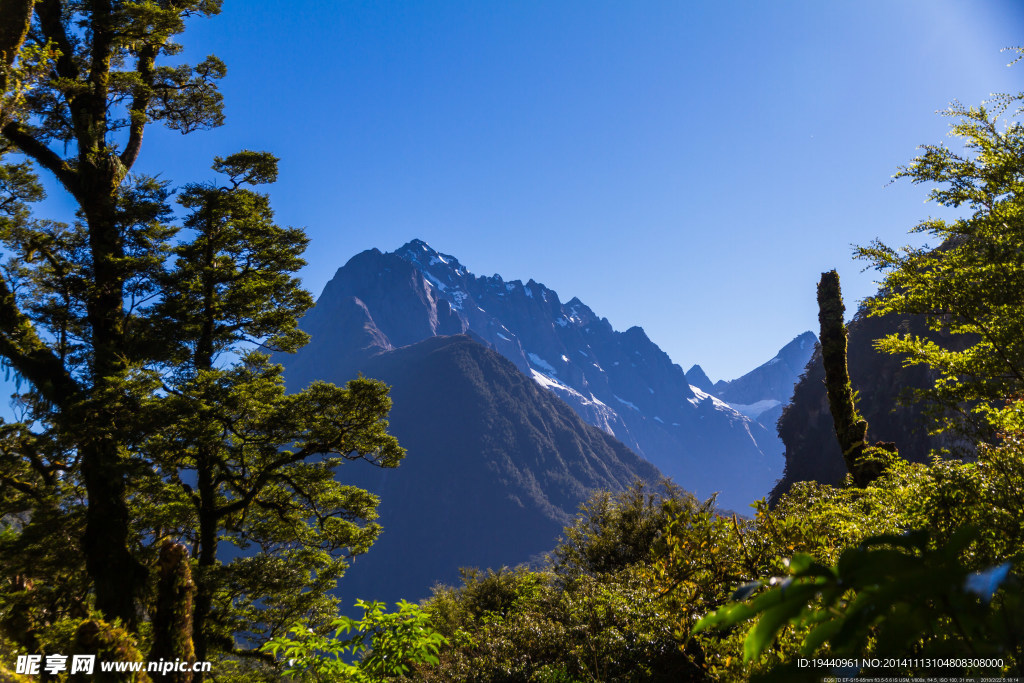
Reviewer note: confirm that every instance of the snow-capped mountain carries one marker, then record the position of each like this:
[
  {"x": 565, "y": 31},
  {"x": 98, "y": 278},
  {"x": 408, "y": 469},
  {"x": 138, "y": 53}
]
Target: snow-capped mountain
[
  {"x": 762, "y": 393},
  {"x": 620, "y": 382},
  {"x": 773, "y": 380},
  {"x": 765, "y": 391}
]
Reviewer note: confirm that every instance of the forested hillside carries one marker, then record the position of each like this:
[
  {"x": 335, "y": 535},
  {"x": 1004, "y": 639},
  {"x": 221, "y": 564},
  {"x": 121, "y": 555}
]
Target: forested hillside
[{"x": 496, "y": 466}]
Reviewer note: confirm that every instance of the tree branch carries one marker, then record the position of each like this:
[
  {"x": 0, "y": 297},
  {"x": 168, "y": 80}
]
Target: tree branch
[
  {"x": 140, "y": 102},
  {"x": 265, "y": 477},
  {"x": 42, "y": 155},
  {"x": 50, "y": 13},
  {"x": 22, "y": 487},
  {"x": 30, "y": 356}
]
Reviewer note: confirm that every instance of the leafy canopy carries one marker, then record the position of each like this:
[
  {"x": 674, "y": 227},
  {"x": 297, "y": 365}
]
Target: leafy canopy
[
  {"x": 149, "y": 409},
  {"x": 971, "y": 284}
]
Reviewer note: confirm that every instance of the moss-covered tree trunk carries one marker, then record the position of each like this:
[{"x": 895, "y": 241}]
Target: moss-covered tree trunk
[
  {"x": 864, "y": 462},
  {"x": 109, "y": 644},
  {"x": 15, "y": 21},
  {"x": 172, "y": 622}
]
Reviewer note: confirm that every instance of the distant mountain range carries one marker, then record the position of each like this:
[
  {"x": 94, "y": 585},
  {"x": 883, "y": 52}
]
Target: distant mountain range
[
  {"x": 514, "y": 407},
  {"x": 620, "y": 382},
  {"x": 762, "y": 393}
]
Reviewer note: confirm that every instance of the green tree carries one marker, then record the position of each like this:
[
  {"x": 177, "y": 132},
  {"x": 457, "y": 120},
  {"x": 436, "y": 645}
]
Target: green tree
[
  {"x": 614, "y": 531},
  {"x": 384, "y": 646},
  {"x": 971, "y": 285},
  {"x": 82, "y": 120},
  {"x": 151, "y": 411},
  {"x": 237, "y": 450}
]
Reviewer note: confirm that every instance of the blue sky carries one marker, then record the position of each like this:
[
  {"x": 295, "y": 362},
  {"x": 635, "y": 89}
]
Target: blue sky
[{"x": 689, "y": 167}]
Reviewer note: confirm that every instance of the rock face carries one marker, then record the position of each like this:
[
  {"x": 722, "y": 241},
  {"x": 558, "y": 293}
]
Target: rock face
[
  {"x": 620, "y": 382},
  {"x": 495, "y": 467},
  {"x": 762, "y": 393},
  {"x": 698, "y": 378}
]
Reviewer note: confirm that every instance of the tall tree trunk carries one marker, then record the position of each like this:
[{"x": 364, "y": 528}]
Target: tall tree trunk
[
  {"x": 208, "y": 514},
  {"x": 864, "y": 462},
  {"x": 117, "y": 576},
  {"x": 172, "y": 623},
  {"x": 207, "y": 555}
]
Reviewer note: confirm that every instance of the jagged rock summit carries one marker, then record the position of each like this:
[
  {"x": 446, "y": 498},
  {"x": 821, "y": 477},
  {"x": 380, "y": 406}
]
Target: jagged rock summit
[
  {"x": 762, "y": 393},
  {"x": 620, "y": 382},
  {"x": 698, "y": 378}
]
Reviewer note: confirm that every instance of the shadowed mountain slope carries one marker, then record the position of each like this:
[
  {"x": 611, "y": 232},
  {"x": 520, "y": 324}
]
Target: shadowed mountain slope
[{"x": 496, "y": 466}]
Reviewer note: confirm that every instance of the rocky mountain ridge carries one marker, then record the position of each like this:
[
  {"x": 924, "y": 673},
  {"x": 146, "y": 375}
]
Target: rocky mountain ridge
[{"x": 621, "y": 382}]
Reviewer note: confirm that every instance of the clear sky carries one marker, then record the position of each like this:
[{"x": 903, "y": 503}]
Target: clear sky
[{"x": 689, "y": 167}]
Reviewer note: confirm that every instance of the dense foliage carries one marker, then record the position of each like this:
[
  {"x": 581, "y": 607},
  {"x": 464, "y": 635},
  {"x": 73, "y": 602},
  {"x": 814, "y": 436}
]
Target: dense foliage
[
  {"x": 594, "y": 612},
  {"x": 377, "y": 647},
  {"x": 970, "y": 286},
  {"x": 140, "y": 335}
]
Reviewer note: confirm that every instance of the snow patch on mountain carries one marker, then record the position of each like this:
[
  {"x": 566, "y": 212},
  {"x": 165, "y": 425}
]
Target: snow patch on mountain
[
  {"x": 434, "y": 281},
  {"x": 600, "y": 414},
  {"x": 626, "y": 403},
  {"x": 754, "y": 410},
  {"x": 541, "y": 363},
  {"x": 458, "y": 296},
  {"x": 701, "y": 396}
]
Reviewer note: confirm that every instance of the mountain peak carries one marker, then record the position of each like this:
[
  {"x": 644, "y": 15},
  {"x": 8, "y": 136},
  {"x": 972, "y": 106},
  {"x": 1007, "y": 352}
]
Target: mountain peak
[
  {"x": 416, "y": 246},
  {"x": 579, "y": 312},
  {"x": 801, "y": 345},
  {"x": 421, "y": 254},
  {"x": 773, "y": 379},
  {"x": 698, "y": 378}
]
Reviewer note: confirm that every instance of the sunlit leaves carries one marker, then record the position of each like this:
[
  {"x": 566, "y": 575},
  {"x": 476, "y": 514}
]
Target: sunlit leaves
[
  {"x": 378, "y": 647},
  {"x": 970, "y": 285}
]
